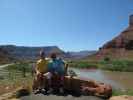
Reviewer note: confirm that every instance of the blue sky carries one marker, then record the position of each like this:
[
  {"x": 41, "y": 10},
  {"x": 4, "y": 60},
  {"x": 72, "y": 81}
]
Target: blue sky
[{"x": 72, "y": 25}]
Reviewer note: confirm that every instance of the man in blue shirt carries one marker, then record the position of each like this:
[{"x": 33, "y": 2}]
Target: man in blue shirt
[{"x": 57, "y": 67}]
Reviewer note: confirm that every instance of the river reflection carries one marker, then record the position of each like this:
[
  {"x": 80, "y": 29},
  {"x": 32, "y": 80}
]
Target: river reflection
[{"x": 118, "y": 80}]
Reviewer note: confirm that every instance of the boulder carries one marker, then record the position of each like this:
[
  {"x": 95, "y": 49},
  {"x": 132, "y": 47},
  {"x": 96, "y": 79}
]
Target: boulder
[{"x": 87, "y": 87}]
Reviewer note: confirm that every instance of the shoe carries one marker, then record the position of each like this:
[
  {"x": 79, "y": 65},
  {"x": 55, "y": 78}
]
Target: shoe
[
  {"x": 37, "y": 91},
  {"x": 50, "y": 90},
  {"x": 43, "y": 90}
]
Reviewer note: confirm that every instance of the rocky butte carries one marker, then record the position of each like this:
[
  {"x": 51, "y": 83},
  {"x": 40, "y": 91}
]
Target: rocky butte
[{"x": 121, "y": 47}]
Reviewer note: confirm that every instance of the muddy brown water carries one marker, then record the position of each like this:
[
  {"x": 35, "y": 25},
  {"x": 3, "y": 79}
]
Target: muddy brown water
[{"x": 118, "y": 80}]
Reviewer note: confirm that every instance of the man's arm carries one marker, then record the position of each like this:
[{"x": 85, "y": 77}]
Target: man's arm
[{"x": 36, "y": 68}]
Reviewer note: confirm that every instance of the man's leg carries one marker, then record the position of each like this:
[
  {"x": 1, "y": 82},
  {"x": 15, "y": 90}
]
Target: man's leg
[
  {"x": 43, "y": 82},
  {"x": 35, "y": 83},
  {"x": 48, "y": 84},
  {"x": 61, "y": 84},
  {"x": 40, "y": 79}
]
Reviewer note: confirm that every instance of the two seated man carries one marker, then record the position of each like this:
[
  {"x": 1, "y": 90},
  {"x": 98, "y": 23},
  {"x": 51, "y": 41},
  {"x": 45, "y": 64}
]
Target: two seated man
[{"x": 46, "y": 70}]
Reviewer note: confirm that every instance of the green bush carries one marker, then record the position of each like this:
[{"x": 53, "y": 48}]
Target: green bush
[
  {"x": 117, "y": 65},
  {"x": 22, "y": 66},
  {"x": 106, "y": 59},
  {"x": 122, "y": 92},
  {"x": 112, "y": 65},
  {"x": 83, "y": 64}
]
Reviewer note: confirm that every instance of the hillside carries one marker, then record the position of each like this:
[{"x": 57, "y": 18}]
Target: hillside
[
  {"x": 29, "y": 53},
  {"x": 121, "y": 47},
  {"x": 32, "y": 53},
  {"x": 80, "y": 54},
  {"x": 5, "y": 56}
]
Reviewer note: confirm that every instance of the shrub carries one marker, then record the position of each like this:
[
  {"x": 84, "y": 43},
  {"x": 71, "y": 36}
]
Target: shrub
[
  {"x": 122, "y": 92},
  {"x": 117, "y": 65},
  {"x": 106, "y": 59},
  {"x": 83, "y": 64},
  {"x": 19, "y": 67}
]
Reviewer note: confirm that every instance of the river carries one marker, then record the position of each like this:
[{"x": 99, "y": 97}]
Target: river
[{"x": 118, "y": 80}]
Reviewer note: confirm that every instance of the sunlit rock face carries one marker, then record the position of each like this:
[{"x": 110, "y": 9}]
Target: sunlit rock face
[
  {"x": 120, "y": 46},
  {"x": 124, "y": 40},
  {"x": 131, "y": 20}
]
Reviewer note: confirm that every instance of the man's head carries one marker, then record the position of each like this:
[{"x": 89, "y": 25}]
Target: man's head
[
  {"x": 53, "y": 56},
  {"x": 42, "y": 54}
]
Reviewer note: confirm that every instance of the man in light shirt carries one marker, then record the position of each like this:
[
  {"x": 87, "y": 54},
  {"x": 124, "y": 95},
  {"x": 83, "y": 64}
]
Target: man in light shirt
[{"x": 43, "y": 77}]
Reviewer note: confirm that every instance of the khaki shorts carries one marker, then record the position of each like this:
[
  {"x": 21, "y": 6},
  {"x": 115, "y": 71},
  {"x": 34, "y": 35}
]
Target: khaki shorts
[{"x": 48, "y": 75}]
